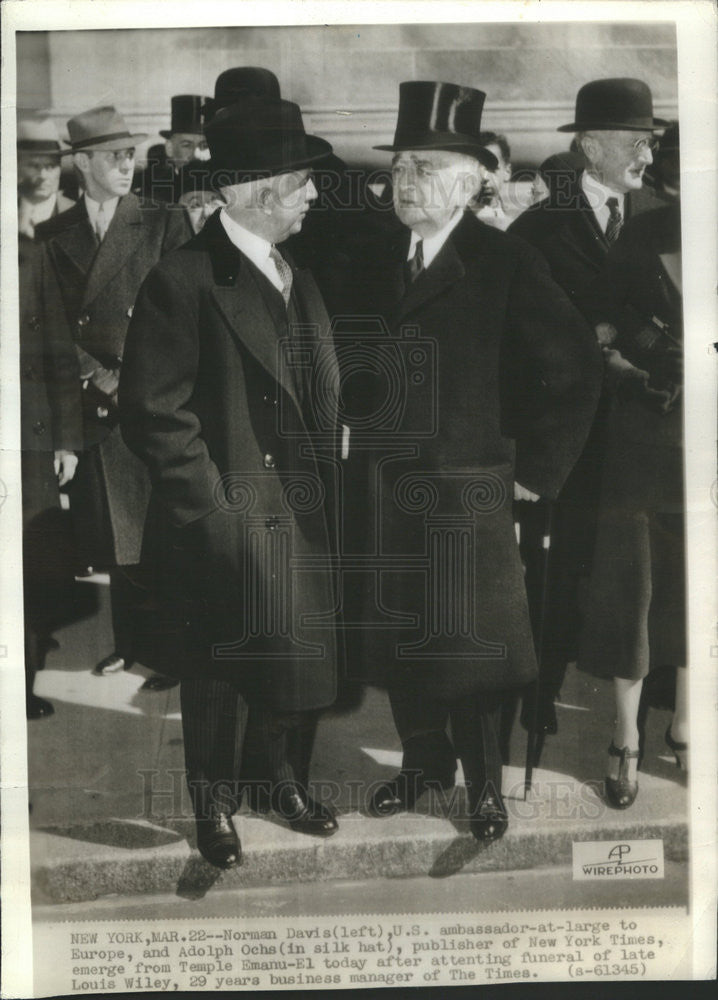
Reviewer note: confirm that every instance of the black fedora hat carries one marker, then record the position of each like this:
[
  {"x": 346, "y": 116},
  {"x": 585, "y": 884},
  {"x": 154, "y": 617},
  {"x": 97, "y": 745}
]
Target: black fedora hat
[
  {"x": 617, "y": 103},
  {"x": 440, "y": 116},
  {"x": 239, "y": 81},
  {"x": 260, "y": 137},
  {"x": 186, "y": 115}
]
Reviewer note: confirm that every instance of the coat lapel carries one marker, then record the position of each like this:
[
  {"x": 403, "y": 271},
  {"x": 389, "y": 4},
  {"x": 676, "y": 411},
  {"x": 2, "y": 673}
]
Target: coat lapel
[
  {"x": 326, "y": 366},
  {"x": 121, "y": 240},
  {"x": 444, "y": 271},
  {"x": 76, "y": 239},
  {"x": 242, "y": 304}
]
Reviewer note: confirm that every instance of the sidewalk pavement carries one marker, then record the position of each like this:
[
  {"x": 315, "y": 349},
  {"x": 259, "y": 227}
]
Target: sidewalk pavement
[{"x": 110, "y": 812}]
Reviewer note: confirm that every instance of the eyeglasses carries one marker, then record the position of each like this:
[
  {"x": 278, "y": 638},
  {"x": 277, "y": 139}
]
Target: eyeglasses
[
  {"x": 640, "y": 145},
  {"x": 119, "y": 155}
]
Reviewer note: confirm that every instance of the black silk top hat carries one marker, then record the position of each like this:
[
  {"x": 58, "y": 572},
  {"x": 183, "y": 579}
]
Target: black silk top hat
[
  {"x": 440, "y": 116},
  {"x": 101, "y": 128},
  {"x": 618, "y": 103},
  {"x": 37, "y": 134},
  {"x": 239, "y": 82},
  {"x": 186, "y": 115},
  {"x": 259, "y": 137}
]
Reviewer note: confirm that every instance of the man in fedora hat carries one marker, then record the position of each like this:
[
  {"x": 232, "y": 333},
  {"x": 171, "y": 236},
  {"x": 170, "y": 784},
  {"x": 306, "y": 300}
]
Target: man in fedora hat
[
  {"x": 38, "y": 172},
  {"x": 574, "y": 227},
  {"x": 500, "y": 379},
  {"x": 100, "y": 251},
  {"x": 229, "y": 395},
  {"x": 184, "y": 142}
]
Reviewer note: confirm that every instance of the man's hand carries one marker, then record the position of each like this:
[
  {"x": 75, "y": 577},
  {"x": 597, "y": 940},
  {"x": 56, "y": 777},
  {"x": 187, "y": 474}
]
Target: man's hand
[
  {"x": 65, "y": 464},
  {"x": 521, "y": 493}
]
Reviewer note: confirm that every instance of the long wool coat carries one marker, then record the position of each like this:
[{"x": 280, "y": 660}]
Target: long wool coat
[
  {"x": 99, "y": 286},
  {"x": 486, "y": 374},
  {"x": 218, "y": 404},
  {"x": 636, "y": 612}
]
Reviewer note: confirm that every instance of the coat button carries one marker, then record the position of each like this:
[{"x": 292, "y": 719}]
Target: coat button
[
  {"x": 270, "y": 461},
  {"x": 268, "y": 399},
  {"x": 83, "y": 320},
  {"x": 29, "y": 372},
  {"x": 102, "y": 413},
  {"x": 34, "y": 323},
  {"x": 272, "y": 523},
  {"x": 38, "y": 428}
]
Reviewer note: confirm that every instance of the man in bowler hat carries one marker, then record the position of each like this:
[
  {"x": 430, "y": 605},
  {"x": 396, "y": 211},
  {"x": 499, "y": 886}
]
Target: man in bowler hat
[
  {"x": 574, "y": 228},
  {"x": 501, "y": 411},
  {"x": 98, "y": 253},
  {"x": 229, "y": 394}
]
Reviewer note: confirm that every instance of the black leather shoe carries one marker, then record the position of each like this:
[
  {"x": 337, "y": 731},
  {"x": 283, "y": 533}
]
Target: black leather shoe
[
  {"x": 112, "y": 664},
  {"x": 490, "y": 822},
  {"x": 159, "y": 682},
  {"x": 218, "y": 842},
  {"x": 303, "y": 814},
  {"x": 403, "y": 791},
  {"x": 38, "y": 708}
]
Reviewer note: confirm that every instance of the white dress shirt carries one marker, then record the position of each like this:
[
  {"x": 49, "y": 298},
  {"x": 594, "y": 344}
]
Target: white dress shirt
[
  {"x": 252, "y": 246},
  {"x": 93, "y": 207},
  {"x": 597, "y": 195},
  {"x": 432, "y": 244}
]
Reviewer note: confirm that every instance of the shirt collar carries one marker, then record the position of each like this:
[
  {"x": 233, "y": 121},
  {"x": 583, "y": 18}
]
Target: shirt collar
[
  {"x": 598, "y": 193},
  {"x": 432, "y": 244},
  {"x": 251, "y": 245},
  {"x": 93, "y": 208}
]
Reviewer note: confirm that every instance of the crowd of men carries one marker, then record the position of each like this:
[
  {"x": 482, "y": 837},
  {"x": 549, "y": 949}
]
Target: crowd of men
[{"x": 293, "y": 416}]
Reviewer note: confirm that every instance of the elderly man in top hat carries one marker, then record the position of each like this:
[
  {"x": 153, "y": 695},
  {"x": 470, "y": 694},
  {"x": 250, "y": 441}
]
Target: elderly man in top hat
[
  {"x": 184, "y": 142},
  {"x": 99, "y": 252},
  {"x": 574, "y": 227},
  {"x": 229, "y": 394},
  {"x": 38, "y": 173},
  {"x": 498, "y": 377}
]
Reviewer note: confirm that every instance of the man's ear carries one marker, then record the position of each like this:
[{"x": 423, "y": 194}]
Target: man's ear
[
  {"x": 169, "y": 148},
  {"x": 265, "y": 199},
  {"x": 591, "y": 149},
  {"x": 82, "y": 162}
]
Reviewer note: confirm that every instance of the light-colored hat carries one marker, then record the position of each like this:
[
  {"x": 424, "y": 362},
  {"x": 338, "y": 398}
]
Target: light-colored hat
[
  {"x": 101, "y": 128},
  {"x": 37, "y": 133}
]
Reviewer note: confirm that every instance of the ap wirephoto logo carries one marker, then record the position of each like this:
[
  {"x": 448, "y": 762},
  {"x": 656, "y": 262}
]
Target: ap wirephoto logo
[{"x": 608, "y": 859}]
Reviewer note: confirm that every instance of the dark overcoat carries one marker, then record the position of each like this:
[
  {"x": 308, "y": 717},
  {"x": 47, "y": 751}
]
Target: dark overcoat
[
  {"x": 636, "y": 614},
  {"x": 565, "y": 229},
  {"x": 50, "y": 417},
  {"x": 99, "y": 285},
  {"x": 487, "y": 374},
  {"x": 242, "y": 470}
]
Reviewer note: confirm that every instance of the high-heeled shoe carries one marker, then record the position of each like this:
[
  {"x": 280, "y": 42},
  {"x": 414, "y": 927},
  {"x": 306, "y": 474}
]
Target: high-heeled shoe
[
  {"x": 678, "y": 750},
  {"x": 621, "y": 792}
]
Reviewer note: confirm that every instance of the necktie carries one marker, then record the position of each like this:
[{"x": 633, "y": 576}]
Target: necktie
[
  {"x": 285, "y": 273},
  {"x": 101, "y": 223},
  {"x": 416, "y": 264},
  {"x": 615, "y": 220}
]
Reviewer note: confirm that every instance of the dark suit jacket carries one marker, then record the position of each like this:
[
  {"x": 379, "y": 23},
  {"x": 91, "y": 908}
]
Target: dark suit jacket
[
  {"x": 99, "y": 285},
  {"x": 239, "y": 466},
  {"x": 565, "y": 229},
  {"x": 493, "y": 376}
]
